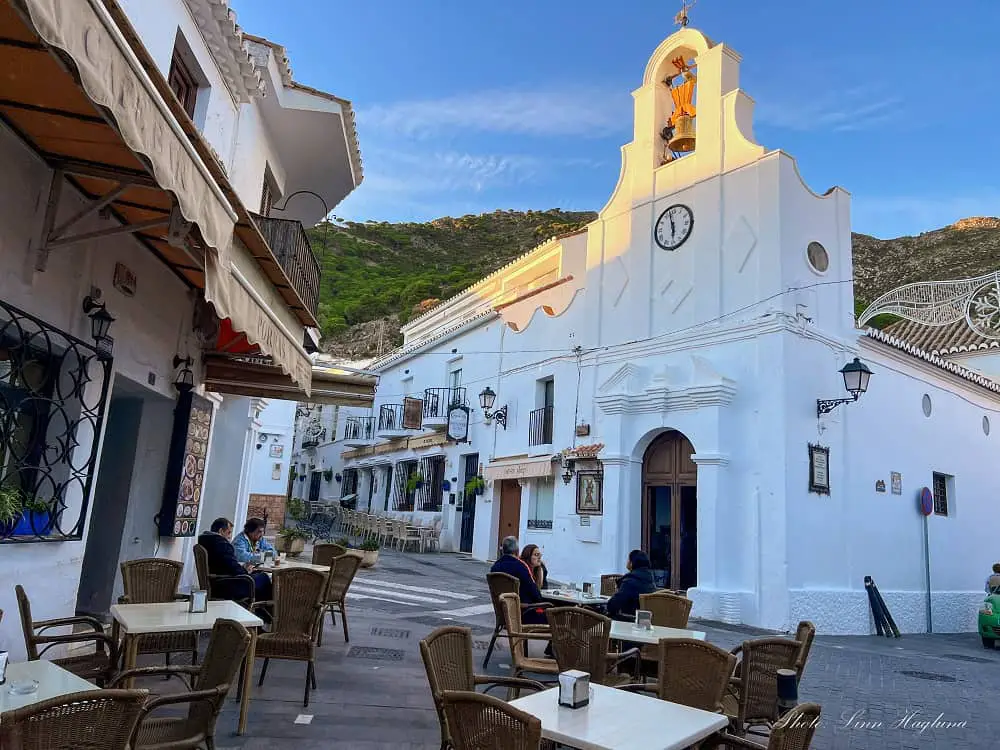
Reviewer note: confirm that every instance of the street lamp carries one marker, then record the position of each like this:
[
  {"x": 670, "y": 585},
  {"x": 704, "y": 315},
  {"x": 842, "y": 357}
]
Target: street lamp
[
  {"x": 856, "y": 375},
  {"x": 185, "y": 378},
  {"x": 100, "y": 319},
  {"x": 486, "y": 400}
]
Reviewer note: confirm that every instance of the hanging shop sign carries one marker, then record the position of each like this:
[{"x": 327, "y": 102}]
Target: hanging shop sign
[
  {"x": 186, "y": 466},
  {"x": 124, "y": 280},
  {"x": 458, "y": 423},
  {"x": 413, "y": 411}
]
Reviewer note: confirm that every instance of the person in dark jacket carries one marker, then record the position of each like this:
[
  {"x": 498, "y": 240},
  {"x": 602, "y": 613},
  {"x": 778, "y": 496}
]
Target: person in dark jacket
[
  {"x": 513, "y": 565},
  {"x": 222, "y": 561},
  {"x": 639, "y": 580}
]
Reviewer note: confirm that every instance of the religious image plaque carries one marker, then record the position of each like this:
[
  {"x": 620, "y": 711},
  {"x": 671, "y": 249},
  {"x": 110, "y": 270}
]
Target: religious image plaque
[
  {"x": 897, "y": 482},
  {"x": 819, "y": 469}
]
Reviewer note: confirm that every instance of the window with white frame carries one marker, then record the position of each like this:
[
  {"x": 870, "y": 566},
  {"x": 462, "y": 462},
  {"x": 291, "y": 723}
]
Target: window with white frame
[{"x": 540, "y": 506}]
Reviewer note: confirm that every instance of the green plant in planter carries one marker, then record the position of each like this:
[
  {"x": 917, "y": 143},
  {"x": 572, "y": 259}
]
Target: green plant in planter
[
  {"x": 415, "y": 482},
  {"x": 297, "y": 509},
  {"x": 294, "y": 532},
  {"x": 11, "y": 503},
  {"x": 328, "y": 474},
  {"x": 369, "y": 545},
  {"x": 344, "y": 542},
  {"x": 475, "y": 486}
]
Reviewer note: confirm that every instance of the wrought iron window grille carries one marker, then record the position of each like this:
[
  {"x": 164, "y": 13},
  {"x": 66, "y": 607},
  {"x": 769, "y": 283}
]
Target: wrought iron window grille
[{"x": 53, "y": 398}]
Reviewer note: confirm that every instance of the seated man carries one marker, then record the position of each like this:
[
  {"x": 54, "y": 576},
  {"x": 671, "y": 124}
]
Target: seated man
[
  {"x": 250, "y": 544},
  {"x": 222, "y": 561},
  {"x": 639, "y": 580},
  {"x": 513, "y": 565},
  {"x": 993, "y": 582}
]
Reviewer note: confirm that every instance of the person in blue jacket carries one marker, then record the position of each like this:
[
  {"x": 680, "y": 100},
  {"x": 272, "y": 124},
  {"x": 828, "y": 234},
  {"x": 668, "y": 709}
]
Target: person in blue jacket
[
  {"x": 639, "y": 580},
  {"x": 512, "y": 565}
]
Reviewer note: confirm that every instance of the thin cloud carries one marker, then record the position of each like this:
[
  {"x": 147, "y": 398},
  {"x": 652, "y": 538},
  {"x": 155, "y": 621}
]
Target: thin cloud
[
  {"x": 841, "y": 110},
  {"x": 558, "y": 112}
]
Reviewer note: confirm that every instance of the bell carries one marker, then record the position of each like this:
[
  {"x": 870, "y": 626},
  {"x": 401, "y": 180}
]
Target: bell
[{"x": 683, "y": 139}]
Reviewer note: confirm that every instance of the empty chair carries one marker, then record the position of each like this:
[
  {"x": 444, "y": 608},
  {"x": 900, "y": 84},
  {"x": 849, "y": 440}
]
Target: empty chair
[
  {"x": 518, "y": 635},
  {"x": 447, "y": 655},
  {"x": 100, "y": 665},
  {"x": 669, "y": 610},
  {"x": 752, "y": 699},
  {"x": 482, "y": 722},
  {"x": 298, "y": 605},
  {"x": 581, "y": 639},
  {"x": 342, "y": 572},
  {"x": 794, "y": 731},
  {"x": 609, "y": 584},
  {"x": 152, "y": 581},
  {"x": 804, "y": 634},
  {"x": 324, "y": 553},
  {"x": 210, "y": 683},
  {"x": 92, "y": 720},
  {"x": 499, "y": 584},
  {"x": 691, "y": 672}
]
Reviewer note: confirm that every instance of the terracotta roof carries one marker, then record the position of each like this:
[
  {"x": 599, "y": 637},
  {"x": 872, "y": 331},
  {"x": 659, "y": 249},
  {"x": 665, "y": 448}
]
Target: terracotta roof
[
  {"x": 954, "y": 338},
  {"x": 934, "y": 359}
]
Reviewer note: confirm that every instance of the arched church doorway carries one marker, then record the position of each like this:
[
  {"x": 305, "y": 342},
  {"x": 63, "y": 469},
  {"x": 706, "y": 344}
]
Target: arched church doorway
[{"x": 670, "y": 510}]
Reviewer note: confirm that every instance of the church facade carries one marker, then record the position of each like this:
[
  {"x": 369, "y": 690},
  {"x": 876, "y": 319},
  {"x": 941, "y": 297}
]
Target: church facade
[{"x": 654, "y": 381}]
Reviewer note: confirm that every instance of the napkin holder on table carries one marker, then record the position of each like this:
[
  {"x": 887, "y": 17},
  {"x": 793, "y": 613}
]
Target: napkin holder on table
[
  {"x": 3, "y": 666},
  {"x": 574, "y": 688},
  {"x": 643, "y": 619},
  {"x": 198, "y": 601}
]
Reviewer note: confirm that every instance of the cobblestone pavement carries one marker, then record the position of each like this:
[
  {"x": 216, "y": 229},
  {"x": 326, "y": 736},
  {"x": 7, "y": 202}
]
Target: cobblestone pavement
[{"x": 928, "y": 691}]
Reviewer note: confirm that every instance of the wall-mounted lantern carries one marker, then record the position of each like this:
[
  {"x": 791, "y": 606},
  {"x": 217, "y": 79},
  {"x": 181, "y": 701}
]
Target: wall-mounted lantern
[
  {"x": 100, "y": 321},
  {"x": 856, "y": 375},
  {"x": 185, "y": 378},
  {"x": 486, "y": 400}
]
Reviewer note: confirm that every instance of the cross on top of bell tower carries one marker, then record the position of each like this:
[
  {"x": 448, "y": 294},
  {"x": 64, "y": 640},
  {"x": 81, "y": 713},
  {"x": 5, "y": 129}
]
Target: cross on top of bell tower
[{"x": 681, "y": 19}]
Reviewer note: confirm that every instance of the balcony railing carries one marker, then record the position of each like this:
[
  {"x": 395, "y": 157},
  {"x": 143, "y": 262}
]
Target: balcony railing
[
  {"x": 437, "y": 401},
  {"x": 287, "y": 239},
  {"x": 540, "y": 426},
  {"x": 359, "y": 428},
  {"x": 390, "y": 417}
]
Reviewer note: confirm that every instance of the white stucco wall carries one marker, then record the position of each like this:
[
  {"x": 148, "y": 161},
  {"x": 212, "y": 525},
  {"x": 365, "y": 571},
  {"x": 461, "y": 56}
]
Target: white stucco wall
[{"x": 276, "y": 421}]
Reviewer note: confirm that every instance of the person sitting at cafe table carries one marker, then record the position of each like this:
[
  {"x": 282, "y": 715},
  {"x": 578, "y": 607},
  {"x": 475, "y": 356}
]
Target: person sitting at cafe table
[
  {"x": 639, "y": 580},
  {"x": 222, "y": 561},
  {"x": 532, "y": 556},
  {"x": 513, "y": 565},
  {"x": 250, "y": 544}
]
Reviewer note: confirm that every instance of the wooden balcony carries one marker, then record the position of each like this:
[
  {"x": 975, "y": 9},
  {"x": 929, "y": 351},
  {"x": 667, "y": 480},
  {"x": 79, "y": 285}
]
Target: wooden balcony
[{"x": 287, "y": 239}]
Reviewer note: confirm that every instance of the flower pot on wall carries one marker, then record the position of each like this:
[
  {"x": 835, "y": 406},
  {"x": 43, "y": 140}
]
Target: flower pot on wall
[
  {"x": 291, "y": 546},
  {"x": 33, "y": 522}
]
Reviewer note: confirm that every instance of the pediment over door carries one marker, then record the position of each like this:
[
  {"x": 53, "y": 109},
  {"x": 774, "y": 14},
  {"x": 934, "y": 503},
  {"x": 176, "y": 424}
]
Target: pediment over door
[{"x": 691, "y": 384}]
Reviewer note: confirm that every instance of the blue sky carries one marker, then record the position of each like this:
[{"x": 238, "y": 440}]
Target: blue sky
[{"x": 466, "y": 106}]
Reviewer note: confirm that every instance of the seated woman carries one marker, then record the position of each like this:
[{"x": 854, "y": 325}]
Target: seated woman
[
  {"x": 639, "y": 580},
  {"x": 532, "y": 557}
]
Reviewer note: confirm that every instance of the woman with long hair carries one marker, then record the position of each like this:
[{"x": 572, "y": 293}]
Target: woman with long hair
[{"x": 532, "y": 557}]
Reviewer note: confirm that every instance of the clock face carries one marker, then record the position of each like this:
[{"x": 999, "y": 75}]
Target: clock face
[{"x": 673, "y": 227}]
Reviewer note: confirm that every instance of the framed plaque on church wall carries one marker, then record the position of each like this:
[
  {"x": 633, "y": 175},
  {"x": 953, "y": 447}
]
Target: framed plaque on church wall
[{"x": 819, "y": 469}]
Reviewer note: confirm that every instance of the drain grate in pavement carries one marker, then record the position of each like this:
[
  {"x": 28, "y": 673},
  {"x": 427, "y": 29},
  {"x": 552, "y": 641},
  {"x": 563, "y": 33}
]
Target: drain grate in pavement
[
  {"x": 931, "y": 676},
  {"x": 390, "y": 633},
  {"x": 966, "y": 657},
  {"x": 378, "y": 654}
]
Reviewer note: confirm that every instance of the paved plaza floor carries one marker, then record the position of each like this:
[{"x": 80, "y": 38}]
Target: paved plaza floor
[{"x": 922, "y": 691}]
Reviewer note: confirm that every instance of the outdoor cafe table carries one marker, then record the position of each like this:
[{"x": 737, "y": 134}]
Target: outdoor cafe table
[
  {"x": 174, "y": 617},
  {"x": 627, "y": 631},
  {"x": 292, "y": 563},
  {"x": 53, "y": 682},
  {"x": 619, "y": 720},
  {"x": 578, "y": 598}
]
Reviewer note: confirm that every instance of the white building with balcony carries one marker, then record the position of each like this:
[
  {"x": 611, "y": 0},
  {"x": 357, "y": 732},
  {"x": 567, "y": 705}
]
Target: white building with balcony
[
  {"x": 156, "y": 283},
  {"x": 670, "y": 378}
]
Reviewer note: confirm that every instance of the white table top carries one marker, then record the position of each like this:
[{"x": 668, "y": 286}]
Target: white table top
[
  {"x": 626, "y": 631},
  {"x": 53, "y": 682},
  {"x": 618, "y": 720},
  {"x": 174, "y": 616},
  {"x": 573, "y": 597},
  {"x": 293, "y": 563}
]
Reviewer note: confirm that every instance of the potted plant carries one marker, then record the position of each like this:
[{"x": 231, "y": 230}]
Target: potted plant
[
  {"x": 36, "y": 518},
  {"x": 328, "y": 474},
  {"x": 445, "y": 485},
  {"x": 369, "y": 548},
  {"x": 11, "y": 503},
  {"x": 415, "y": 482},
  {"x": 475, "y": 486},
  {"x": 291, "y": 540},
  {"x": 297, "y": 509}
]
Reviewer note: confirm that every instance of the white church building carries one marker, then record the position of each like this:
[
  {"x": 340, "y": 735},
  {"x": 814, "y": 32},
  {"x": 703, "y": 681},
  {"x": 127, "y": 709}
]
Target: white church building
[{"x": 657, "y": 380}]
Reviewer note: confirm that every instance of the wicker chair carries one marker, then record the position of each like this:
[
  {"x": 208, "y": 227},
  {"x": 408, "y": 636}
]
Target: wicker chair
[
  {"x": 691, "y": 672},
  {"x": 324, "y": 553},
  {"x": 752, "y": 699},
  {"x": 341, "y": 575},
  {"x": 518, "y": 636},
  {"x": 211, "y": 683},
  {"x": 447, "y": 655},
  {"x": 793, "y": 731},
  {"x": 500, "y": 584},
  {"x": 89, "y": 720},
  {"x": 804, "y": 634},
  {"x": 609, "y": 584},
  {"x": 99, "y": 666},
  {"x": 151, "y": 581},
  {"x": 206, "y": 579},
  {"x": 298, "y": 608},
  {"x": 581, "y": 640},
  {"x": 483, "y": 722},
  {"x": 669, "y": 610}
]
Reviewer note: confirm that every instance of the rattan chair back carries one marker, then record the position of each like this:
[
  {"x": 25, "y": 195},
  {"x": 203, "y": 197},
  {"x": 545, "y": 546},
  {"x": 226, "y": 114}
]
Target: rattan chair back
[
  {"x": 758, "y": 693},
  {"x": 669, "y": 610},
  {"x": 151, "y": 580},
  {"x": 342, "y": 572},
  {"x": 580, "y": 640},
  {"x": 91, "y": 720},
  {"x": 804, "y": 634},
  {"x": 795, "y": 730},
  {"x": 324, "y": 553},
  {"x": 298, "y": 596},
  {"x": 482, "y": 722},
  {"x": 694, "y": 673},
  {"x": 511, "y": 612},
  {"x": 499, "y": 584},
  {"x": 201, "y": 568},
  {"x": 609, "y": 584}
]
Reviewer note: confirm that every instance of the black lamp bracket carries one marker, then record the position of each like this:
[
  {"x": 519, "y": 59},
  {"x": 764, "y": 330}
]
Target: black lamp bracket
[{"x": 825, "y": 406}]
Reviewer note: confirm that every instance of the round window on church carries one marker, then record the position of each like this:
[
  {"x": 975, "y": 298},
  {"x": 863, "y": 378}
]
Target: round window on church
[
  {"x": 927, "y": 405},
  {"x": 986, "y": 425},
  {"x": 819, "y": 259}
]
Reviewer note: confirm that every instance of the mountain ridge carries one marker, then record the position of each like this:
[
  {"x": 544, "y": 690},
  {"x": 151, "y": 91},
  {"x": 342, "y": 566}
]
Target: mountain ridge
[{"x": 376, "y": 276}]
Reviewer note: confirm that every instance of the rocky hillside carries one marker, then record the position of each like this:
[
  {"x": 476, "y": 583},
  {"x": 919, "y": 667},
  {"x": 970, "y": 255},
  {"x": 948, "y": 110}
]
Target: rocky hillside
[{"x": 378, "y": 275}]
